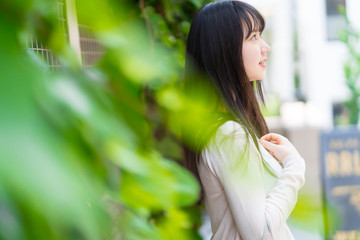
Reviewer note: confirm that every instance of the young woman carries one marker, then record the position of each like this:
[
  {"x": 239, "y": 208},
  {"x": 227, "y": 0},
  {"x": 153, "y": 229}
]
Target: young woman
[{"x": 249, "y": 192}]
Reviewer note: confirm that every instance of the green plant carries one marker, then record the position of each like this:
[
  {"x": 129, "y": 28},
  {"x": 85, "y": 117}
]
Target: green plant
[
  {"x": 82, "y": 151},
  {"x": 351, "y": 38}
]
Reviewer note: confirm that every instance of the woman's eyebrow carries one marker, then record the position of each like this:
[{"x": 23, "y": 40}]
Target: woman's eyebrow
[{"x": 252, "y": 32}]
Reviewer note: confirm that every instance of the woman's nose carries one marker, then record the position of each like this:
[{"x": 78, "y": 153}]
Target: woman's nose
[{"x": 265, "y": 48}]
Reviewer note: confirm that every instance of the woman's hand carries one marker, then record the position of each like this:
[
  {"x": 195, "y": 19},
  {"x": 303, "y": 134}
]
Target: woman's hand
[{"x": 278, "y": 146}]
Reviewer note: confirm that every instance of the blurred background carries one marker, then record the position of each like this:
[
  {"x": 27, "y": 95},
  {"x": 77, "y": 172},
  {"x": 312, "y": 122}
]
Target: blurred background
[
  {"x": 91, "y": 113},
  {"x": 312, "y": 89}
]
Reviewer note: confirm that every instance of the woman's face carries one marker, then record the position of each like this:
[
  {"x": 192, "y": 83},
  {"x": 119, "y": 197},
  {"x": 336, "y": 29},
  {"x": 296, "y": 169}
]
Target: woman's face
[{"x": 254, "y": 52}]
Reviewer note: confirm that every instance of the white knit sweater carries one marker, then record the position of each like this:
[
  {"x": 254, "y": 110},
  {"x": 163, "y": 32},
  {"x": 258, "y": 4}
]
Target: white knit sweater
[{"x": 248, "y": 195}]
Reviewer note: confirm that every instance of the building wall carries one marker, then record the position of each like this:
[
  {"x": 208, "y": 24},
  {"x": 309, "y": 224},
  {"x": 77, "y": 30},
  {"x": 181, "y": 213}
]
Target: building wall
[
  {"x": 320, "y": 65},
  {"x": 321, "y": 60}
]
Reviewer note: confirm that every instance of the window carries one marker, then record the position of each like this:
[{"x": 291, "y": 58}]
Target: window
[{"x": 335, "y": 20}]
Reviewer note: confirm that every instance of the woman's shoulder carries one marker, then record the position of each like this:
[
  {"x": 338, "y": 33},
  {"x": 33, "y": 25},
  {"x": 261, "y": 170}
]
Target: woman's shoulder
[
  {"x": 230, "y": 146},
  {"x": 227, "y": 140},
  {"x": 230, "y": 128},
  {"x": 228, "y": 133}
]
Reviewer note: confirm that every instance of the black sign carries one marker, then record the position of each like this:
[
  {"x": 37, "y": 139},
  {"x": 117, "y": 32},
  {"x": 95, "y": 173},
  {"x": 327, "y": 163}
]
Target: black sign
[{"x": 341, "y": 179}]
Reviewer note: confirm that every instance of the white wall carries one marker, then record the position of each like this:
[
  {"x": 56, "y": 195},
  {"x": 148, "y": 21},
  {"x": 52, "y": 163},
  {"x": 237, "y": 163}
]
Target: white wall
[
  {"x": 321, "y": 61},
  {"x": 353, "y": 7}
]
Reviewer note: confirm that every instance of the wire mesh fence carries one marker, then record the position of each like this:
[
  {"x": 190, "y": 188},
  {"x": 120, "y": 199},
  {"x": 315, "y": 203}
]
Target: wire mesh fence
[
  {"x": 44, "y": 52},
  {"x": 91, "y": 50}
]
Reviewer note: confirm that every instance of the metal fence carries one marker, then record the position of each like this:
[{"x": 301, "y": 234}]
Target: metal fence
[{"x": 91, "y": 50}]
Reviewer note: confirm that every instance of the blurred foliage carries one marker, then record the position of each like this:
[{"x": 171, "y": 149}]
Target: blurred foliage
[
  {"x": 272, "y": 108},
  {"x": 351, "y": 38},
  {"x": 89, "y": 153}
]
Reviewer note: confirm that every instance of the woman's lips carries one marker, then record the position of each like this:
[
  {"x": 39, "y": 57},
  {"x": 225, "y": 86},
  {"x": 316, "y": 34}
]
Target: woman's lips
[{"x": 263, "y": 63}]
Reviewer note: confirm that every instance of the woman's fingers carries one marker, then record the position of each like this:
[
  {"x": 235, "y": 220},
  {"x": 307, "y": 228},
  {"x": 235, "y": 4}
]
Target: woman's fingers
[
  {"x": 277, "y": 145},
  {"x": 268, "y": 146},
  {"x": 273, "y": 137}
]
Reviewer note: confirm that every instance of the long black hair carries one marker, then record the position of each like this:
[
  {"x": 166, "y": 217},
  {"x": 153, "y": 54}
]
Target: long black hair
[{"x": 214, "y": 59}]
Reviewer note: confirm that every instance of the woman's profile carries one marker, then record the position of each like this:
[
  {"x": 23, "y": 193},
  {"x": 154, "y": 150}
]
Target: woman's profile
[{"x": 250, "y": 178}]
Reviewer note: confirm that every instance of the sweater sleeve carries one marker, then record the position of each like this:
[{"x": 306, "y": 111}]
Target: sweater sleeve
[{"x": 239, "y": 168}]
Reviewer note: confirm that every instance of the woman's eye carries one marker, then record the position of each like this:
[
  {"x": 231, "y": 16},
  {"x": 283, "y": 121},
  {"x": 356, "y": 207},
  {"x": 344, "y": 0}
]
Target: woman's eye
[{"x": 254, "y": 37}]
